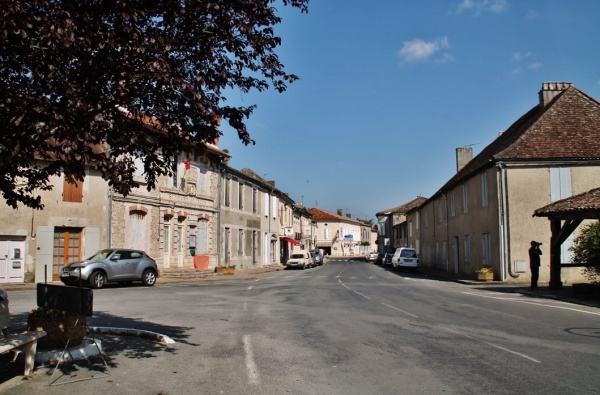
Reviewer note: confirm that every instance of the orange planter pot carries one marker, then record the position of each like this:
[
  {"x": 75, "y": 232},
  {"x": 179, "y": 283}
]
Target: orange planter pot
[
  {"x": 201, "y": 262},
  {"x": 485, "y": 276}
]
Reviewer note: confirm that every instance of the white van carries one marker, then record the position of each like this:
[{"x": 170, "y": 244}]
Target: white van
[
  {"x": 405, "y": 257},
  {"x": 299, "y": 258}
]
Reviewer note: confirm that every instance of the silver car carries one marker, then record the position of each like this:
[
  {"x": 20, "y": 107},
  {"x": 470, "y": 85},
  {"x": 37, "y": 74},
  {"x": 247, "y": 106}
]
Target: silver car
[{"x": 111, "y": 265}]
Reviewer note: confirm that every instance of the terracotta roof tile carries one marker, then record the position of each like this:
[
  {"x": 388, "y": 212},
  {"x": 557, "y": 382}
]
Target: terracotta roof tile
[
  {"x": 322, "y": 215},
  {"x": 567, "y": 129},
  {"x": 404, "y": 208},
  {"x": 586, "y": 205}
]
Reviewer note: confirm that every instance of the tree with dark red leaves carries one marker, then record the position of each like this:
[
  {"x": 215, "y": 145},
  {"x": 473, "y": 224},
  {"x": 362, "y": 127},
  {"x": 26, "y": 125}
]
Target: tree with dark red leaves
[{"x": 101, "y": 82}]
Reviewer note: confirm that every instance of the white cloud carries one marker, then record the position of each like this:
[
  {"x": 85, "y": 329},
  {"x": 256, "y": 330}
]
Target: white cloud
[
  {"x": 518, "y": 56},
  {"x": 535, "y": 66},
  {"x": 525, "y": 60},
  {"x": 420, "y": 50},
  {"x": 479, "y": 6}
]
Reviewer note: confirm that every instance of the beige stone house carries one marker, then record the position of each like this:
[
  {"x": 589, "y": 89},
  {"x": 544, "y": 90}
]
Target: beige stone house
[
  {"x": 393, "y": 228},
  {"x": 337, "y": 235},
  {"x": 35, "y": 244},
  {"x": 250, "y": 220},
  {"x": 176, "y": 222},
  {"x": 482, "y": 216}
]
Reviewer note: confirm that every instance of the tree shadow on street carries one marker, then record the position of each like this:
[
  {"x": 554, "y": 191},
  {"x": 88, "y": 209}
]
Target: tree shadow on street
[{"x": 113, "y": 345}]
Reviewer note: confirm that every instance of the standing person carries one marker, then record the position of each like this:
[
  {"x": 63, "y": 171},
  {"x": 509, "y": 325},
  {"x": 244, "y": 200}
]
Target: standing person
[{"x": 534, "y": 262}]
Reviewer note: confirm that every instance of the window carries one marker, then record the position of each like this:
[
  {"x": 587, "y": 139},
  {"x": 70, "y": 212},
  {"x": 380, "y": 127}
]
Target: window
[
  {"x": 240, "y": 196},
  {"x": 254, "y": 200},
  {"x": 452, "y": 204},
  {"x": 176, "y": 239},
  {"x": 326, "y": 233},
  {"x": 266, "y": 199},
  {"x": 440, "y": 210},
  {"x": 240, "y": 242},
  {"x": 465, "y": 193},
  {"x": 486, "y": 247},
  {"x": 467, "y": 248},
  {"x": 174, "y": 170},
  {"x": 166, "y": 234},
  {"x": 418, "y": 220},
  {"x": 560, "y": 183},
  {"x": 426, "y": 219},
  {"x": 227, "y": 192},
  {"x": 202, "y": 240},
  {"x": 274, "y": 210},
  {"x": 202, "y": 178},
  {"x": 72, "y": 192},
  {"x": 484, "y": 190},
  {"x": 444, "y": 253},
  {"x": 139, "y": 168},
  {"x": 410, "y": 230}
]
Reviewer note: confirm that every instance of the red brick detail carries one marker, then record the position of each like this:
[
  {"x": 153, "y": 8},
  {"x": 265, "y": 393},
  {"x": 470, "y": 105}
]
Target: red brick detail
[{"x": 137, "y": 207}]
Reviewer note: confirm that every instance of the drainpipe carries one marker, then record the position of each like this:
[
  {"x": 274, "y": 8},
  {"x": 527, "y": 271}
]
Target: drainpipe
[
  {"x": 503, "y": 231},
  {"x": 219, "y": 191},
  {"x": 109, "y": 225}
]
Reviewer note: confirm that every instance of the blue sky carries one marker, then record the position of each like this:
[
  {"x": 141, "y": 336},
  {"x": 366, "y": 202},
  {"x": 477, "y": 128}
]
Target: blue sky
[{"x": 389, "y": 89}]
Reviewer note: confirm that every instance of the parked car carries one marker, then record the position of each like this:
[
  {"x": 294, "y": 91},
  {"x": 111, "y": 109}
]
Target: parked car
[
  {"x": 111, "y": 265},
  {"x": 388, "y": 258},
  {"x": 4, "y": 312},
  {"x": 405, "y": 257},
  {"x": 371, "y": 256},
  {"x": 318, "y": 256},
  {"x": 300, "y": 259},
  {"x": 380, "y": 259}
]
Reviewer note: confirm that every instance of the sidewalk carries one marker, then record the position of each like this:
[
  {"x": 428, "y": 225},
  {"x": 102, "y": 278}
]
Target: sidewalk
[
  {"x": 177, "y": 276},
  {"x": 566, "y": 293}
]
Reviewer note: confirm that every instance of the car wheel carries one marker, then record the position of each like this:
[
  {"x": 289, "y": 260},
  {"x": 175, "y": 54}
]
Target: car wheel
[
  {"x": 149, "y": 278},
  {"x": 97, "y": 280}
]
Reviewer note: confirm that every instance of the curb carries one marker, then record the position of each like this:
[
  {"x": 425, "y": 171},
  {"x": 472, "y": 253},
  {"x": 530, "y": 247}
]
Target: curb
[{"x": 92, "y": 347}]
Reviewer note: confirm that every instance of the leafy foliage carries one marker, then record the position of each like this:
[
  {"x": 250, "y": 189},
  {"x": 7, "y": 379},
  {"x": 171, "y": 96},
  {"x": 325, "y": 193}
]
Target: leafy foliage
[
  {"x": 586, "y": 250},
  {"x": 100, "y": 82}
]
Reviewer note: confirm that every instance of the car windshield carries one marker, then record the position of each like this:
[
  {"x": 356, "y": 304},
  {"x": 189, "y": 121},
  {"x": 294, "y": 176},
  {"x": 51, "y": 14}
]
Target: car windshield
[
  {"x": 100, "y": 255},
  {"x": 408, "y": 254},
  {"x": 296, "y": 256}
]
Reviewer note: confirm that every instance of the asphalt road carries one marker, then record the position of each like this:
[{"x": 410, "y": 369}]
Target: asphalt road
[{"x": 343, "y": 328}]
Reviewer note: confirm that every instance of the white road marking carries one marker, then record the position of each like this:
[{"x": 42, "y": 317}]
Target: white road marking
[
  {"x": 251, "y": 368},
  {"x": 250, "y": 287},
  {"x": 533, "y": 303},
  {"x": 492, "y": 345},
  {"x": 356, "y": 292},
  {"x": 397, "y": 309}
]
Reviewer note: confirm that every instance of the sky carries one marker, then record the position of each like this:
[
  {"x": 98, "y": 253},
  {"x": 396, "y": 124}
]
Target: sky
[{"x": 389, "y": 89}]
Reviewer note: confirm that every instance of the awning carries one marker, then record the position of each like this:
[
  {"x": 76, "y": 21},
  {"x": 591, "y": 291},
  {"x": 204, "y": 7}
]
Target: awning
[
  {"x": 290, "y": 240},
  {"x": 323, "y": 244}
]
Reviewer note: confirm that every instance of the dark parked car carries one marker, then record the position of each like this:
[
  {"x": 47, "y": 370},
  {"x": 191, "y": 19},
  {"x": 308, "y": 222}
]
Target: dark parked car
[
  {"x": 379, "y": 259},
  {"x": 317, "y": 255},
  {"x": 111, "y": 265},
  {"x": 388, "y": 258}
]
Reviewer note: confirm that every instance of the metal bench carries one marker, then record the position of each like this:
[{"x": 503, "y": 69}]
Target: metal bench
[{"x": 26, "y": 341}]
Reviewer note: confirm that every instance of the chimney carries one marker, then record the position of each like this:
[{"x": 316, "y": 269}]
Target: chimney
[
  {"x": 340, "y": 212},
  {"x": 463, "y": 156},
  {"x": 348, "y": 215},
  {"x": 550, "y": 90}
]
